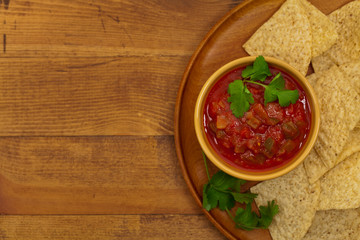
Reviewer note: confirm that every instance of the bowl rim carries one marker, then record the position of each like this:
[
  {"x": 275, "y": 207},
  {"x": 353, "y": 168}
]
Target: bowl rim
[{"x": 267, "y": 174}]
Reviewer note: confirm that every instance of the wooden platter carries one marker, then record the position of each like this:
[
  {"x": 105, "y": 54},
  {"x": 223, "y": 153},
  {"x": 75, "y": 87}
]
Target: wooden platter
[{"x": 222, "y": 44}]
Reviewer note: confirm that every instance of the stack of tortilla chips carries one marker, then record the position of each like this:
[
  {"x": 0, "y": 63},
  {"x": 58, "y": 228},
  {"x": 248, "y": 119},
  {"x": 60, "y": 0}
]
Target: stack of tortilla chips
[{"x": 320, "y": 199}]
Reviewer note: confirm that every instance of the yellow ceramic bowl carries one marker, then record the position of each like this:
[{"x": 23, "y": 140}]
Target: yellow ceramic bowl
[{"x": 257, "y": 175}]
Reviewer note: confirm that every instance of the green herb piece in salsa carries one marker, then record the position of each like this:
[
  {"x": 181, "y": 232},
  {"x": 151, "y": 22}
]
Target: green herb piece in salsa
[
  {"x": 258, "y": 71},
  {"x": 276, "y": 90},
  {"x": 241, "y": 98}
]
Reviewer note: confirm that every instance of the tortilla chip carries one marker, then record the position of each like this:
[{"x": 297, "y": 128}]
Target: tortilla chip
[
  {"x": 297, "y": 201},
  {"x": 340, "y": 187},
  {"x": 314, "y": 167},
  {"x": 312, "y": 79},
  {"x": 352, "y": 145},
  {"x": 322, "y": 63},
  {"x": 352, "y": 69},
  {"x": 339, "y": 108},
  {"x": 286, "y": 36},
  {"x": 323, "y": 30},
  {"x": 347, "y": 47},
  {"x": 335, "y": 225}
]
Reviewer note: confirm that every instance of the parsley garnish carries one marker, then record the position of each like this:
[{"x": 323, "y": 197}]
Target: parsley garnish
[
  {"x": 241, "y": 98},
  {"x": 223, "y": 191}
]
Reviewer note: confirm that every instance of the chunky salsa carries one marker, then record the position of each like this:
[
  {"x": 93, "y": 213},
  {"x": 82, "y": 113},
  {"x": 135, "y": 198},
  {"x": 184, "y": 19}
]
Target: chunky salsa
[{"x": 267, "y": 135}]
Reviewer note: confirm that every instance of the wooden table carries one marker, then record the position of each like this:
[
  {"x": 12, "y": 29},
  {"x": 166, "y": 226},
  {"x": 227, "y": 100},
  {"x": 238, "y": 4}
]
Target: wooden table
[{"x": 87, "y": 97}]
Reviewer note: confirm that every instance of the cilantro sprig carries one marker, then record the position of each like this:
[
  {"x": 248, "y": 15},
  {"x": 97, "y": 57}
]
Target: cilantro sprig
[
  {"x": 241, "y": 98},
  {"x": 223, "y": 191},
  {"x": 258, "y": 71},
  {"x": 276, "y": 90},
  {"x": 249, "y": 220}
]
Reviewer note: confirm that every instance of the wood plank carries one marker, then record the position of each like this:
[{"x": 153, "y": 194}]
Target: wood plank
[
  {"x": 92, "y": 175},
  {"x": 58, "y": 28},
  {"x": 125, "y": 227},
  {"x": 88, "y": 96}
]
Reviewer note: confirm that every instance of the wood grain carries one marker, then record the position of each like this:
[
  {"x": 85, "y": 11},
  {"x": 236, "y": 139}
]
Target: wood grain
[
  {"x": 108, "y": 227},
  {"x": 88, "y": 96},
  {"x": 93, "y": 175},
  {"x": 63, "y": 28}
]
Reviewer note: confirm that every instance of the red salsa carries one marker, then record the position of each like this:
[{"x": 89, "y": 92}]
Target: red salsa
[{"x": 267, "y": 136}]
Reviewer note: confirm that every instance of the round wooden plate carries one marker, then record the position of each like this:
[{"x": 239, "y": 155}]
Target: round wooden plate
[{"x": 221, "y": 45}]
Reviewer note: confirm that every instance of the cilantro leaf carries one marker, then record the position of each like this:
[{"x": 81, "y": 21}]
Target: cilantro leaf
[
  {"x": 276, "y": 90},
  {"x": 216, "y": 197},
  {"x": 219, "y": 191},
  {"x": 223, "y": 181},
  {"x": 270, "y": 94},
  {"x": 244, "y": 197},
  {"x": 246, "y": 219},
  {"x": 278, "y": 82},
  {"x": 258, "y": 71},
  {"x": 267, "y": 214},
  {"x": 240, "y": 98},
  {"x": 223, "y": 190},
  {"x": 287, "y": 96},
  {"x": 206, "y": 204},
  {"x": 238, "y": 183},
  {"x": 247, "y": 72}
]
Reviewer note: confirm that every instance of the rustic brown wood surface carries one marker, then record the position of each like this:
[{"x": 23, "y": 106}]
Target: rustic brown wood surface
[{"x": 87, "y": 96}]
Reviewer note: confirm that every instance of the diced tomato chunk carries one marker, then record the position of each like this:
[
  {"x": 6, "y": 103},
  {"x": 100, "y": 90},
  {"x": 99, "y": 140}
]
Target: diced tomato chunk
[
  {"x": 212, "y": 126},
  {"x": 289, "y": 110},
  {"x": 248, "y": 156},
  {"x": 221, "y": 121},
  {"x": 287, "y": 147},
  {"x": 225, "y": 141},
  {"x": 240, "y": 147},
  {"x": 260, "y": 158},
  {"x": 275, "y": 111},
  {"x": 220, "y": 134},
  {"x": 245, "y": 132},
  {"x": 270, "y": 144},
  {"x": 253, "y": 122},
  {"x": 298, "y": 112},
  {"x": 254, "y": 143},
  {"x": 290, "y": 130},
  {"x": 276, "y": 133},
  {"x": 260, "y": 112},
  {"x": 301, "y": 124},
  {"x": 262, "y": 129},
  {"x": 222, "y": 104}
]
